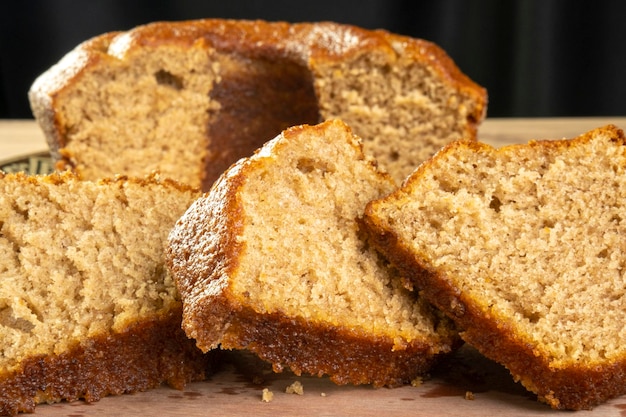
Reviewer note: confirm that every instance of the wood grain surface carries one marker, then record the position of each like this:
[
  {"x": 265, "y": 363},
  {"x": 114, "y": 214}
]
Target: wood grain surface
[{"x": 464, "y": 385}]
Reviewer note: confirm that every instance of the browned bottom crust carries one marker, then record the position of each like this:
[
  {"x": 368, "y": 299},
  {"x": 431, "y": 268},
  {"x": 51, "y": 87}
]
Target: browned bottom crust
[
  {"x": 572, "y": 388},
  {"x": 143, "y": 357},
  {"x": 346, "y": 356}
]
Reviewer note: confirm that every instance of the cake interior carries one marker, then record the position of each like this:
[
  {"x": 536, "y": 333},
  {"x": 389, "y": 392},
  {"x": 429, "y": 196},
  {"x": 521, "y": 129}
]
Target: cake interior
[
  {"x": 81, "y": 260},
  {"x": 534, "y": 234},
  {"x": 303, "y": 252}
]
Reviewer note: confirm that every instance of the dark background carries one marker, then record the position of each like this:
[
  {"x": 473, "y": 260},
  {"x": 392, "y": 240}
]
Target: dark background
[{"x": 536, "y": 58}]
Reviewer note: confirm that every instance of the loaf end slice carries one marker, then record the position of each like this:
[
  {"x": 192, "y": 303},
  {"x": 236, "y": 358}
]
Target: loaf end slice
[
  {"x": 273, "y": 260},
  {"x": 523, "y": 247}
]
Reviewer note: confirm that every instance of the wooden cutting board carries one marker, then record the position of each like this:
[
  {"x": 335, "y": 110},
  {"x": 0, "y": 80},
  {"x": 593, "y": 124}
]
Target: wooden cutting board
[{"x": 465, "y": 385}]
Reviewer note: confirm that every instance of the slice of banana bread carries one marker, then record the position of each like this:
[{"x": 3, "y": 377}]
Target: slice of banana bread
[
  {"x": 87, "y": 306},
  {"x": 524, "y": 247},
  {"x": 272, "y": 260}
]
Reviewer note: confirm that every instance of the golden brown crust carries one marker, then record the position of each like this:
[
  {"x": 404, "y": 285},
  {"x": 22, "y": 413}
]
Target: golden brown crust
[
  {"x": 144, "y": 356},
  {"x": 201, "y": 287},
  {"x": 347, "y": 356},
  {"x": 573, "y": 387}
]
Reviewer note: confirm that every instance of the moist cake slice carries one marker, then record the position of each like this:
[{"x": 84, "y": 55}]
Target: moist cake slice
[
  {"x": 524, "y": 248},
  {"x": 87, "y": 306},
  {"x": 272, "y": 260}
]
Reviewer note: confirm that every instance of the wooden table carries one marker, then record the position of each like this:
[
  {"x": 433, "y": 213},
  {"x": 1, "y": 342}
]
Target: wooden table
[{"x": 237, "y": 389}]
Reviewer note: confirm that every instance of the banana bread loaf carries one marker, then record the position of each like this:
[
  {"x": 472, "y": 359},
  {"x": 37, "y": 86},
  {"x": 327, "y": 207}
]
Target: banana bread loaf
[
  {"x": 524, "y": 248},
  {"x": 272, "y": 260},
  {"x": 87, "y": 306},
  {"x": 189, "y": 98}
]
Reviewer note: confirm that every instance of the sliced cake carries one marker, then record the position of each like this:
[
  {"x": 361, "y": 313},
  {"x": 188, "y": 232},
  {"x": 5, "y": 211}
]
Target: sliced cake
[
  {"x": 87, "y": 306},
  {"x": 524, "y": 248},
  {"x": 272, "y": 260}
]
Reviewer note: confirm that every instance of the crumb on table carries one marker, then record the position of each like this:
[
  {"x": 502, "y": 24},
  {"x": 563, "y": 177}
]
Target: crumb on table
[
  {"x": 417, "y": 381},
  {"x": 267, "y": 395},
  {"x": 295, "y": 388}
]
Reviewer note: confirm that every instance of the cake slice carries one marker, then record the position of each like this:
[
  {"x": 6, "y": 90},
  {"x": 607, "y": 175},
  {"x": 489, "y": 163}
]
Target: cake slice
[
  {"x": 87, "y": 306},
  {"x": 272, "y": 260},
  {"x": 524, "y": 248}
]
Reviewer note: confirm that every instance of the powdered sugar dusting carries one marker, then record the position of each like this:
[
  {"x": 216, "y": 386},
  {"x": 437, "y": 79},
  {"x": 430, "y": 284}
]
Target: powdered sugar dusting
[{"x": 336, "y": 40}]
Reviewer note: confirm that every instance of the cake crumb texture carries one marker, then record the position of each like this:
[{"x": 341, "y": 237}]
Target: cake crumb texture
[{"x": 87, "y": 306}]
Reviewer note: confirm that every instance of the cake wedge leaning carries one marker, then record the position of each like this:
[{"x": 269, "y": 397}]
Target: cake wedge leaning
[
  {"x": 524, "y": 248},
  {"x": 272, "y": 260}
]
